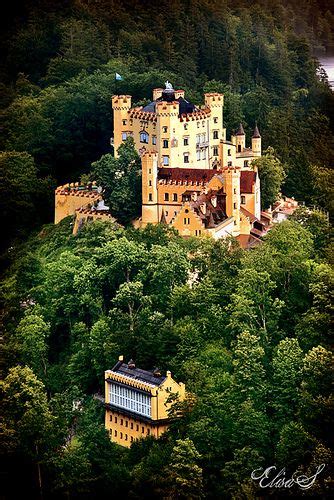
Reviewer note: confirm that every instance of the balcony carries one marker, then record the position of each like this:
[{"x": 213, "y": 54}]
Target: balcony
[{"x": 200, "y": 145}]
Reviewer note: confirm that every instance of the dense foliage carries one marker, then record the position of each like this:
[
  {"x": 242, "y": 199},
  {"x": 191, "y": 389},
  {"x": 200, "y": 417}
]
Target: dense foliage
[
  {"x": 248, "y": 332},
  {"x": 58, "y": 75}
]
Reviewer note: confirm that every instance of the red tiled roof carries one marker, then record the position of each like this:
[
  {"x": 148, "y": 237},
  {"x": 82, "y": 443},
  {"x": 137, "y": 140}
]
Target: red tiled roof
[
  {"x": 186, "y": 174},
  {"x": 248, "y": 214},
  {"x": 247, "y": 180},
  {"x": 214, "y": 215}
]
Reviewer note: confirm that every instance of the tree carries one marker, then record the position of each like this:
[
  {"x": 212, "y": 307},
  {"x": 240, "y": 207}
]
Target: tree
[
  {"x": 272, "y": 175},
  {"x": 32, "y": 335},
  {"x": 121, "y": 181},
  {"x": 249, "y": 371},
  {"x": 183, "y": 472},
  {"x": 19, "y": 189},
  {"x": 317, "y": 222},
  {"x": 28, "y": 423},
  {"x": 287, "y": 366}
]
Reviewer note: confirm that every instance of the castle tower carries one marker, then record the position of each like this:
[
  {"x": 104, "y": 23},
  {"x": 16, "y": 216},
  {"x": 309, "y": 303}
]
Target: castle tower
[
  {"x": 167, "y": 112},
  {"x": 217, "y": 132},
  {"x": 240, "y": 139},
  {"x": 121, "y": 104},
  {"x": 232, "y": 189},
  {"x": 150, "y": 207},
  {"x": 256, "y": 141}
]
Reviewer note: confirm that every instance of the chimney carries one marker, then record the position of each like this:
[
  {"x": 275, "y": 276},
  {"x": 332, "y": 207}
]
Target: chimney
[
  {"x": 156, "y": 372},
  {"x": 131, "y": 364}
]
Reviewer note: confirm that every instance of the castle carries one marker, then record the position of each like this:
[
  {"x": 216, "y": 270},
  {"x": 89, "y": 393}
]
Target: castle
[
  {"x": 136, "y": 402},
  {"x": 193, "y": 178}
]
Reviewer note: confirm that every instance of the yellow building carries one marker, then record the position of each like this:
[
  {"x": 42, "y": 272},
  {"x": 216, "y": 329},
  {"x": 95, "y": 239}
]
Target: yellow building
[
  {"x": 192, "y": 177},
  {"x": 136, "y": 402},
  {"x": 85, "y": 202}
]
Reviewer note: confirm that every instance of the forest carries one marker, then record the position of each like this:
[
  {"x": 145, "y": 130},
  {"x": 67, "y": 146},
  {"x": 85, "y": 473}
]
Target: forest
[{"x": 248, "y": 332}]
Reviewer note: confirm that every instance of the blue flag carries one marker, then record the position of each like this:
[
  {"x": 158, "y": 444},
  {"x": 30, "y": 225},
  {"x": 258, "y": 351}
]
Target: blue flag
[{"x": 118, "y": 77}]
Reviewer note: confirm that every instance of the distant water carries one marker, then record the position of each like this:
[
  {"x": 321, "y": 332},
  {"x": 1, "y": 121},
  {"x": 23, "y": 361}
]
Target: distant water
[{"x": 327, "y": 62}]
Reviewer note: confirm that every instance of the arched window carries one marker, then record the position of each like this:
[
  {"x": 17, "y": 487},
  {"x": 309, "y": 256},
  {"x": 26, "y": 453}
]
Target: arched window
[{"x": 144, "y": 137}]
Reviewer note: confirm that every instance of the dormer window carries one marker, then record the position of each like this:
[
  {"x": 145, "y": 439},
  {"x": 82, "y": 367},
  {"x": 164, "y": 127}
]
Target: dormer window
[{"x": 144, "y": 137}]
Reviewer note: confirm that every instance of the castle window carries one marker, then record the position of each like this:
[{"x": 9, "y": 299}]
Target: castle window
[
  {"x": 166, "y": 213},
  {"x": 116, "y": 433},
  {"x": 131, "y": 439},
  {"x": 149, "y": 170},
  {"x": 203, "y": 154},
  {"x": 110, "y": 418},
  {"x": 137, "y": 427},
  {"x": 215, "y": 134},
  {"x": 243, "y": 200},
  {"x": 229, "y": 164},
  {"x": 126, "y": 437},
  {"x": 166, "y": 196},
  {"x": 215, "y": 151},
  {"x": 148, "y": 432},
  {"x": 124, "y": 136},
  {"x": 235, "y": 222},
  {"x": 198, "y": 154},
  {"x": 215, "y": 120},
  {"x": 165, "y": 130},
  {"x": 150, "y": 198},
  {"x": 186, "y": 221},
  {"x": 144, "y": 137},
  {"x": 246, "y": 163},
  {"x": 165, "y": 143},
  {"x": 239, "y": 148},
  {"x": 142, "y": 430},
  {"x": 198, "y": 124},
  {"x": 121, "y": 435},
  {"x": 124, "y": 122},
  {"x": 131, "y": 425},
  {"x": 154, "y": 139},
  {"x": 165, "y": 160},
  {"x": 115, "y": 420},
  {"x": 186, "y": 158},
  {"x": 185, "y": 126},
  {"x": 126, "y": 423},
  {"x": 150, "y": 183},
  {"x": 130, "y": 399},
  {"x": 203, "y": 123},
  {"x": 234, "y": 205},
  {"x": 174, "y": 196},
  {"x": 234, "y": 191},
  {"x": 186, "y": 141},
  {"x": 228, "y": 152},
  {"x": 175, "y": 213}
]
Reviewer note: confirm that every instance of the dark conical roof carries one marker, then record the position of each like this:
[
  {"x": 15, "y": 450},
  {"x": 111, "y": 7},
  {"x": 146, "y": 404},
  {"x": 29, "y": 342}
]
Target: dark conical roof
[
  {"x": 240, "y": 130},
  {"x": 256, "y": 133}
]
